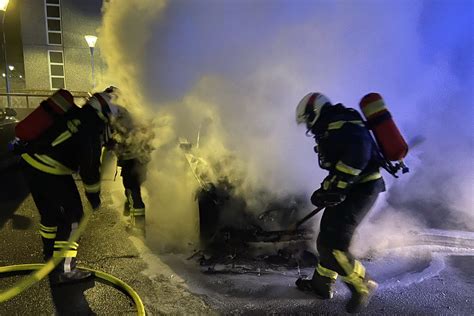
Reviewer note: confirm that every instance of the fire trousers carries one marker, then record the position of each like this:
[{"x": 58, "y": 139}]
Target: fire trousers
[
  {"x": 133, "y": 175},
  {"x": 337, "y": 228},
  {"x": 60, "y": 207}
]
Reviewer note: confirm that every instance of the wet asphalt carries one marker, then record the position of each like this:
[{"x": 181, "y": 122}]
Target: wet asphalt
[
  {"x": 106, "y": 245},
  {"x": 437, "y": 284}
]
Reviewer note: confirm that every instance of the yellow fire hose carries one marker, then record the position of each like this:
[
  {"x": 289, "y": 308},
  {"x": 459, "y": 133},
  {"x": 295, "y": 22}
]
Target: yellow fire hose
[
  {"x": 102, "y": 275},
  {"x": 42, "y": 270}
]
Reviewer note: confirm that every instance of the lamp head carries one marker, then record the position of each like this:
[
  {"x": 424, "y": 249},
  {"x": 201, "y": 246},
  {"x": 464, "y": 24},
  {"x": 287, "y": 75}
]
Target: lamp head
[
  {"x": 3, "y": 5},
  {"x": 90, "y": 39}
]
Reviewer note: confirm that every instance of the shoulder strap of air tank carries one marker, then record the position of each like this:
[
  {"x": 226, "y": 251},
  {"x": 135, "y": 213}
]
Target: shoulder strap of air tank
[
  {"x": 381, "y": 160},
  {"x": 103, "y": 103},
  {"x": 47, "y": 107}
]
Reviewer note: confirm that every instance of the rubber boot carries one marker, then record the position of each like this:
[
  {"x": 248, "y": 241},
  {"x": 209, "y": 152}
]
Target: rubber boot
[
  {"x": 137, "y": 226},
  {"x": 362, "y": 291},
  {"x": 321, "y": 286},
  {"x": 323, "y": 291},
  {"x": 126, "y": 209},
  {"x": 58, "y": 277},
  {"x": 140, "y": 225}
]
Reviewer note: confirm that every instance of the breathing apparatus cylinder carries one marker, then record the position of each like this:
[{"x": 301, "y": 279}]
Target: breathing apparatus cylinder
[
  {"x": 391, "y": 142},
  {"x": 43, "y": 117}
]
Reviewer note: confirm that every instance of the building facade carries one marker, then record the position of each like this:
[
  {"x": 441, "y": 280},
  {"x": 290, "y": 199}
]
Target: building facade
[
  {"x": 51, "y": 51},
  {"x": 55, "y": 52}
]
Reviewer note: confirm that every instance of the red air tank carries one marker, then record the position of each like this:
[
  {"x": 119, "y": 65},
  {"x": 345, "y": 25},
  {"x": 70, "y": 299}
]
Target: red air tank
[
  {"x": 43, "y": 117},
  {"x": 379, "y": 119}
]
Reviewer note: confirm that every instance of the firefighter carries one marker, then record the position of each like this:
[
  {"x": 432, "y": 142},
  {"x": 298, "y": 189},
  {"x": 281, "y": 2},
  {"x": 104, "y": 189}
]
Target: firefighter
[
  {"x": 71, "y": 144},
  {"x": 131, "y": 143},
  {"x": 346, "y": 149}
]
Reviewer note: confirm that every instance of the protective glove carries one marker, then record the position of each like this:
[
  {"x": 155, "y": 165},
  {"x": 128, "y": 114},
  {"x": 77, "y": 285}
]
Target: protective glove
[
  {"x": 17, "y": 146},
  {"x": 94, "y": 200},
  {"x": 323, "y": 198}
]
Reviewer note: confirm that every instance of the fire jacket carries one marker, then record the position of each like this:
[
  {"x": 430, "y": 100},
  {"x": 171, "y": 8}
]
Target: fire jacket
[
  {"x": 347, "y": 150},
  {"x": 72, "y": 144},
  {"x": 127, "y": 138}
]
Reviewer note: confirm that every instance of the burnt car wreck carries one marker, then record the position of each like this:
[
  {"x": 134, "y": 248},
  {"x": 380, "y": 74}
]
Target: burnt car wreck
[{"x": 238, "y": 239}]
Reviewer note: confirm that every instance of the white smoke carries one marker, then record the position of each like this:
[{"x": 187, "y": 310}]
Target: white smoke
[{"x": 244, "y": 65}]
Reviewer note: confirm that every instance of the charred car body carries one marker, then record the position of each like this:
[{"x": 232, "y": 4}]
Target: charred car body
[{"x": 231, "y": 229}]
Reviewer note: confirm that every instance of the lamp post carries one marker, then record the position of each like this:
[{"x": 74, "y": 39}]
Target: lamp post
[
  {"x": 91, "y": 40},
  {"x": 3, "y": 11}
]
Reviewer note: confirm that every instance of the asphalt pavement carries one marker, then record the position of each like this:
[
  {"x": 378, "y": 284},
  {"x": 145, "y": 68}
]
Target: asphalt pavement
[
  {"x": 106, "y": 245},
  {"x": 432, "y": 276}
]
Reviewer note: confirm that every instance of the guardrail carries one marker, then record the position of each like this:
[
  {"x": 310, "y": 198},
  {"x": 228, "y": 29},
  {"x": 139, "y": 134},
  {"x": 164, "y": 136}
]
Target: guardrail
[{"x": 28, "y": 100}]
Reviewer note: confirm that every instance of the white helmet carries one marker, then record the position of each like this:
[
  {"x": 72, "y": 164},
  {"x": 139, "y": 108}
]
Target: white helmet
[
  {"x": 309, "y": 108},
  {"x": 104, "y": 102},
  {"x": 101, "y": 102}
]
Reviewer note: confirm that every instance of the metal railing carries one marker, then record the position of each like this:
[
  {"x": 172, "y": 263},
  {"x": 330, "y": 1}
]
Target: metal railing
[{"x": 32, "y": 99}]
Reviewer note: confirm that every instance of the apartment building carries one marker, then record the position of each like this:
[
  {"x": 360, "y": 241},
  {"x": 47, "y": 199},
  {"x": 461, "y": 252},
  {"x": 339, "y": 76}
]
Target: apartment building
[{"x": 46, "y": 48}]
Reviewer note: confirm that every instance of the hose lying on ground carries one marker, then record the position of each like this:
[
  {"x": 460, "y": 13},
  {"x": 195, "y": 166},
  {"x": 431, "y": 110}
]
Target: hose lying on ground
[
  {"x": 42, "y": 270},
  {"x": 124, "y": 287},
  {"x": 41, "y": 273}
]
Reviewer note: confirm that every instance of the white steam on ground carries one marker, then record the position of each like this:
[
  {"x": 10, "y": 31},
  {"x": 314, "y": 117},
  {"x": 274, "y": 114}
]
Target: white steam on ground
[{"x": 235, "y": 70}]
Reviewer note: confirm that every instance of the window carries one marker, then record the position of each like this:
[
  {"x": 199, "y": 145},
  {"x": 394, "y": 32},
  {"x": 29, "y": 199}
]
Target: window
[
  {"x": 56, "y": 69},
  {"x": 54, "y": 38},
  {"x": 54, "y": 25},
  {"x": 52, "y": 11},
  {"x": 55, "y": 57},
  {"x": 53, "y": 22},
  {"x": 57, "y": 83}
]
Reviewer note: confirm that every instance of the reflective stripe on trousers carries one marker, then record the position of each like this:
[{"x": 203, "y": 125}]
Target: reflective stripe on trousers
[
  {"x": 48, "y": 232},
  {"x": 355, "y": 273},
  {"x": 70, "y": 254},
  {"x": 326, "y": 272},
  {"x": 46, "y": 164}
]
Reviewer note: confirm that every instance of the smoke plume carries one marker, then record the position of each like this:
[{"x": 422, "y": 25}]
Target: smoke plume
[{"x": 232, "y": 72}]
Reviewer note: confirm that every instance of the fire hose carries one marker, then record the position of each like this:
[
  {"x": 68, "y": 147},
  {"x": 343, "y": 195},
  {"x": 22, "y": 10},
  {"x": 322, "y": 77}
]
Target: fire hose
[
  {"x": 304, "y": 219},
  {"x": 42, "y": 270}
]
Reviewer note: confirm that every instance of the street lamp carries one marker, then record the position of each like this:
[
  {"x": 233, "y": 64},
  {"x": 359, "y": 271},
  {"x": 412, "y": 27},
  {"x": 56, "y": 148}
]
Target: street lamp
[
  {"x": 91, "y": 40},
  {"x": 3, "y": 11},
  {"x": 3, "y": 5}
]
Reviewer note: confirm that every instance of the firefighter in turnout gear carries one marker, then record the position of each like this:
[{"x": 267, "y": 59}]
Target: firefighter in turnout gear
[
  {"x": 346, "y": 149},
  {"x": 131, "y": 143},
  {"x": 72, "y": 143}
]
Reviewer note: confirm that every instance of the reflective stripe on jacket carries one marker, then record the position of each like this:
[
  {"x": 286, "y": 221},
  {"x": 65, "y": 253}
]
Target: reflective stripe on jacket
[
  {"x": 46, "y": 164},
  {"x": 71, "y": 145},
  {"x": 346, "y": 149}
]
